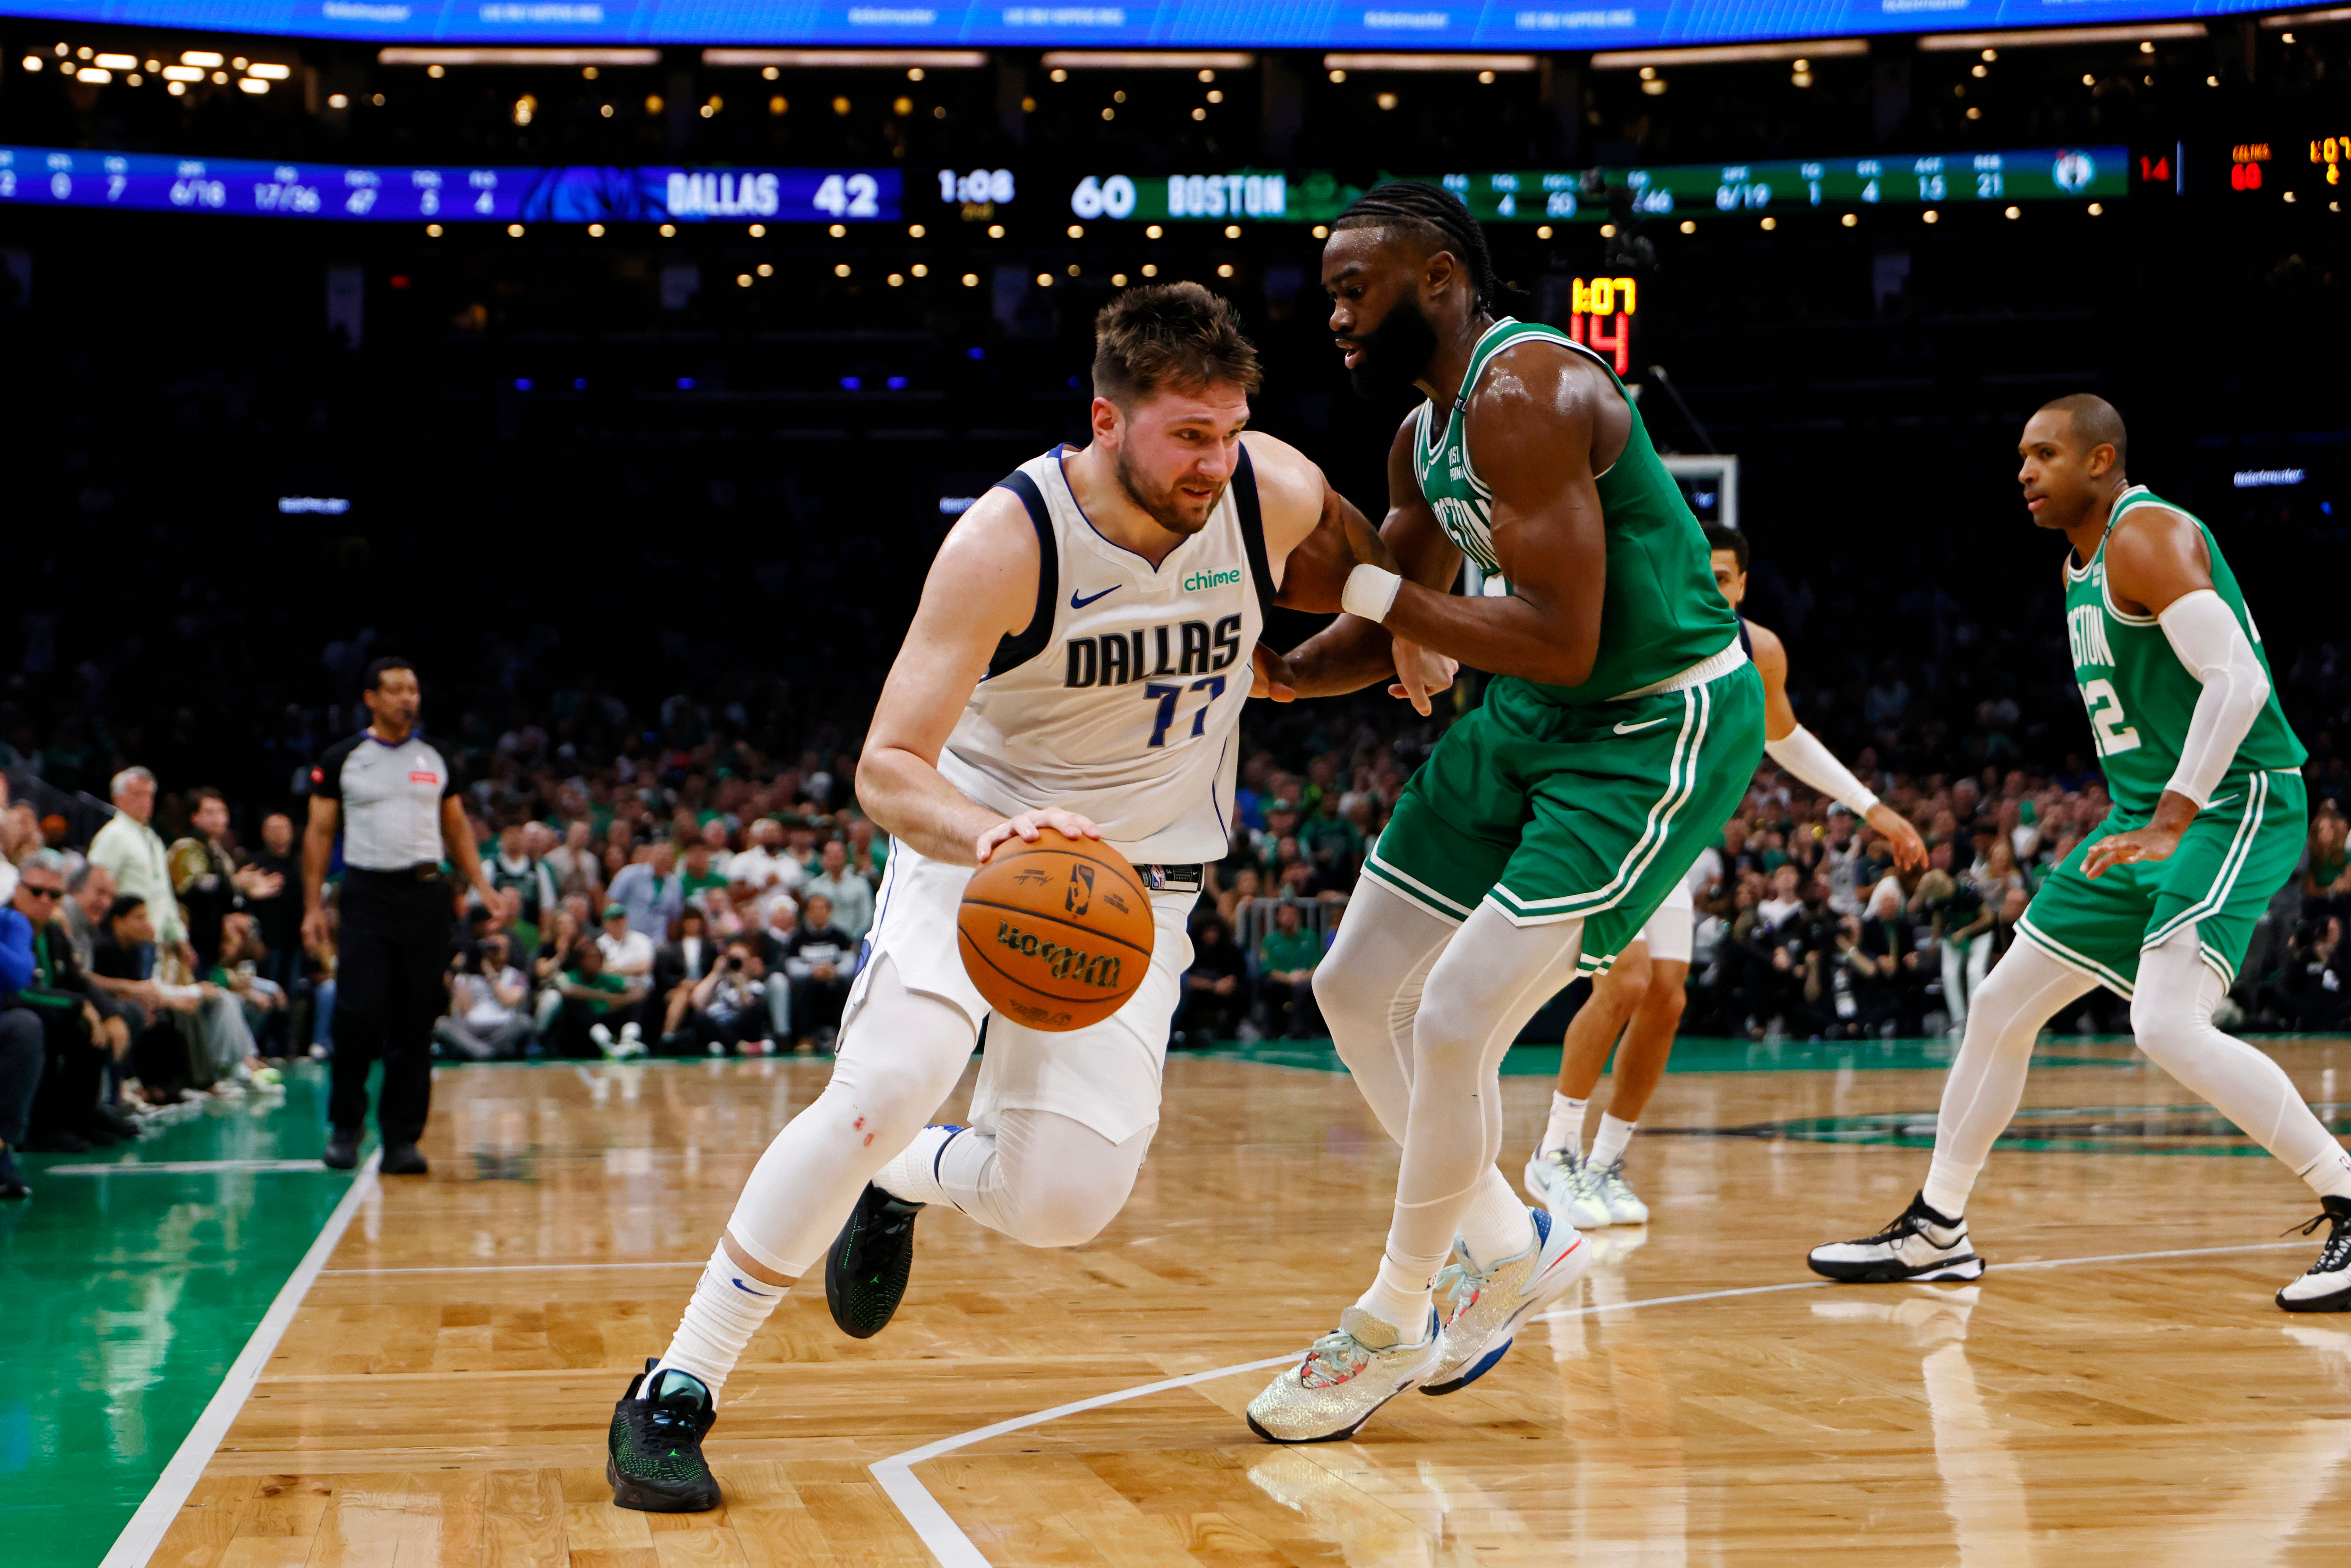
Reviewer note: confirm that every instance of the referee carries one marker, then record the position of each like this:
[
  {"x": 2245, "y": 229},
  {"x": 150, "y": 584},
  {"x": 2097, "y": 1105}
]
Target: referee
[{"x": 390, "y": 795}]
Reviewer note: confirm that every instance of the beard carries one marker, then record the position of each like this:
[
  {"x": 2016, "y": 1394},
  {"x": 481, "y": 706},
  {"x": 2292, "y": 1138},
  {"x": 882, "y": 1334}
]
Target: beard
[
  {"x": 1168, "y": 507},
  {"x": 1394, "y": 352}
]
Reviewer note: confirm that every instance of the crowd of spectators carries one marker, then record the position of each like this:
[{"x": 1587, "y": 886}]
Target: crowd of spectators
[{"x": 697, "y": 896}]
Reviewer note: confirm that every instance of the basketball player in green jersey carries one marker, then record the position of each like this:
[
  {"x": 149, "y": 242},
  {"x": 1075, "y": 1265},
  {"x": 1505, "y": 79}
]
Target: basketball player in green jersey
[
  {"x": 1621, "y": 728},
  {"x": 2207, "y": 824}
]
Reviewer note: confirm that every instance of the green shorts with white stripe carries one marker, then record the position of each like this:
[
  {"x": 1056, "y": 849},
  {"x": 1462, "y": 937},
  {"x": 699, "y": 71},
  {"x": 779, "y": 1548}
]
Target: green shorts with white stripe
[
  {"x": 2230, "y": 861},
  {"x": 1590, "y": 813}
]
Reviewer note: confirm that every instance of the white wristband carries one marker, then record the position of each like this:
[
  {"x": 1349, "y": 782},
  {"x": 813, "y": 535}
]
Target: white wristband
[{"x": 1371, "y": 592}]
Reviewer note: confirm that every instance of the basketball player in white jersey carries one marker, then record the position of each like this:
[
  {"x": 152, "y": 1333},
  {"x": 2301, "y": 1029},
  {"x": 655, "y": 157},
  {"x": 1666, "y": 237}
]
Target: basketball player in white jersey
[
  {"x": 1085, "y": 646},
  {"x": 1643, "y": 995}
]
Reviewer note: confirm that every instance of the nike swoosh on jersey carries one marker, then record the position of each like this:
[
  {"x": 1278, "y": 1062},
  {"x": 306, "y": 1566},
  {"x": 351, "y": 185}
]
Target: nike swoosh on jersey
[
  {"x": 1078, "y": 604},
  {"x": 1645, "y": 724}
]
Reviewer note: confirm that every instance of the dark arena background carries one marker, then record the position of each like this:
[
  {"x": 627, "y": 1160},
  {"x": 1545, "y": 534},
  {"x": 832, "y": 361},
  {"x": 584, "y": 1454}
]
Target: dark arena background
[{"x": 621, "y": 368}]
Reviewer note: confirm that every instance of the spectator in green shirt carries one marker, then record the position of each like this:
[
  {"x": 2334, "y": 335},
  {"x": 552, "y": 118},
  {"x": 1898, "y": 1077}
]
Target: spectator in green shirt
[{"x": 1285, "y": 962}]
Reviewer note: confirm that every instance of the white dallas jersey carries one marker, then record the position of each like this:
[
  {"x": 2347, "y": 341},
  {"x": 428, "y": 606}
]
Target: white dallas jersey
[{"x": 1121, "y": 699}]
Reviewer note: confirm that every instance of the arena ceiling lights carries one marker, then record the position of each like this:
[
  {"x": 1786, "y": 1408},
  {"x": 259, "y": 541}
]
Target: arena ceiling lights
[
  {"x": 494, "y": 57},
  {"x": 2045, "y": 37},
  {"x": 1147, "y": 60},
  {"x": 1496, "y": 63},
  {"x": 891, "y": 59},
  {"x": 1728, "y": 54}
]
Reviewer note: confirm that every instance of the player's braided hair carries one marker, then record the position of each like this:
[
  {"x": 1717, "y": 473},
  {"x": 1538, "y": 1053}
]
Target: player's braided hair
[{"x": 1438, "y": 216}]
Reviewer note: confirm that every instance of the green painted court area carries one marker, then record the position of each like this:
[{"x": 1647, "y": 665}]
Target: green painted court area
[
  {"x": 130, "y": 1281},
  {"x": 1700, "y": 1054}
]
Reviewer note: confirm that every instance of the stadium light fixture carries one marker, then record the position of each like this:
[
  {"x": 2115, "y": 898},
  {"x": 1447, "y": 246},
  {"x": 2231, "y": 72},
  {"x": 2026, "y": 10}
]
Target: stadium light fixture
[
  {"x": 1728, "y": 54},
  {"x": 270, "y": 73},
  {"x": 2051, "y": 38},
  {"x": 403, "y": 56},
  {"x": 927, "y": 59},
  {"x": 253, "y": 84},
  {"x": 183, "y": 73},
  {"x": 116, "y": 62},
  {"x": 204, "y": 58},
  {"x": 1147, "y": 60},
  {"x": 1471, "y": 63},
  {"x": 2313, "y": 19}
]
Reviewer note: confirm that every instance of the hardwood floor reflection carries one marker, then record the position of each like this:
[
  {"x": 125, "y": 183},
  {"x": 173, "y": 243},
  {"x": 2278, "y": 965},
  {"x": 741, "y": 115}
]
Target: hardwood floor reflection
[{"x": 443, "y": 1394}]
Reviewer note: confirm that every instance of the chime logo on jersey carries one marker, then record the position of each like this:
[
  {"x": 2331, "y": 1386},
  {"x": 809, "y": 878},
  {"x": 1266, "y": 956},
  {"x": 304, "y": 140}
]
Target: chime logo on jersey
[
  {"x": 1187, "y": 648},
  {"x": 1214, "y": 577}
]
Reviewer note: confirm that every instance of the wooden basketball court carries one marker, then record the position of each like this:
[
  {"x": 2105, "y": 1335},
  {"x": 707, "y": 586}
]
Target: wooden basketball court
[{"x": 442, "y": 1394}]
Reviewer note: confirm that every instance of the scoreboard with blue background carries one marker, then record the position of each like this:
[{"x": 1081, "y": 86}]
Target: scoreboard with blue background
[{"x": 1231, "y": 23}]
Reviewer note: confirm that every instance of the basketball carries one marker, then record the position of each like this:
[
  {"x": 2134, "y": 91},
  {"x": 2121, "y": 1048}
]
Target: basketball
[{"x": 1056, "y": 934}]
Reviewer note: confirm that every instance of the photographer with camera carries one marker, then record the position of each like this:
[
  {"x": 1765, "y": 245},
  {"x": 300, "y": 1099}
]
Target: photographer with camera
[
  {"x": 726, "y": 1009},
  {"x": 489, "y": 1016}
]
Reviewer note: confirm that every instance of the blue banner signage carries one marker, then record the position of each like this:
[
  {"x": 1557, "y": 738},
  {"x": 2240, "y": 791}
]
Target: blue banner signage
[
  {"x": 47, "y": 176},
  {"x": 1415, "y": 25}
]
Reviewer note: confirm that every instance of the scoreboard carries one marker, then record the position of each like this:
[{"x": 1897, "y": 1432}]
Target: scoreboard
[
  {"x": 49, "y": 176},
  {"x": 1595, "y": 195}
]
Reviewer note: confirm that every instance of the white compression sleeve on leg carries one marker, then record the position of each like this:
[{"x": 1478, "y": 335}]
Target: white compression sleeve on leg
[
  {"x": 2172, "y": 1017},
  {"x": 2205, "y": 634},
  {"x": 1800, "y": 751},
  {"x": 1369, "y": 988},
  {"x": 1479, "y": 995},
  {"x": 1041, "y": 1178},
  {"x": 2004, "y": 1018},
  {"x": 901, "y": 1053}
]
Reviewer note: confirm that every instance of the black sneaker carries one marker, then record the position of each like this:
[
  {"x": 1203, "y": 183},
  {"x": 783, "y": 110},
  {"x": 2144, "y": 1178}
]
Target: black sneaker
[
  {"x": 2326, "y": 1288},
  {"x": 865, "y": 1273},
  {"x": 12, "y": 1180},
  {"x": 654, "y": 1457},
  {"x": 343, "y": 1151},
  {"x": 1920, "y": 1245},
  {"x": 403, "y": 1159},
  {"x": 56, "y": 1141}
]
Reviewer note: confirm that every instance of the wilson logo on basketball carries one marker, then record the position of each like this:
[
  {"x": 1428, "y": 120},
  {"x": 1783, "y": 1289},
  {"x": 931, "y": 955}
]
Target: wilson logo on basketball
[{"x": 1099, "y": 970}]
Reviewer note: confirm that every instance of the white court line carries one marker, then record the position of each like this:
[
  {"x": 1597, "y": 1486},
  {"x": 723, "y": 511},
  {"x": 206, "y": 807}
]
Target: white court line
[
  {"x": 191, "y": 1167},
  {"x": 145, "y": 1532},
  {"x": 946, "y": 1541},
  {"x": 511, "y": 1268}
]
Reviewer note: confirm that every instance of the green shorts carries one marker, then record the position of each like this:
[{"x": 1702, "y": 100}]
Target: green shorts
[
  {"x": 2233, "y": 857},
  {"x": 1589, "y": 813}
]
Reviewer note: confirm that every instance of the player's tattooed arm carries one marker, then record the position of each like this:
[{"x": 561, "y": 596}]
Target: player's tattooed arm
[
  {"x": 982, "y": 588},
  {"x": 1534, "y": 424},
  {"x": 1352, "y": 652}
]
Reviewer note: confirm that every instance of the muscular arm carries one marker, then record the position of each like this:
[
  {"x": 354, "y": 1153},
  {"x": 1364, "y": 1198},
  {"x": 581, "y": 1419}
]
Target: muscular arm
[
  {"x": 982, "y": 588},
  {"x": 1533, "y": 425},
  {"x": 1352, "y": 652},
  {"x": 2157, "y": 564}
]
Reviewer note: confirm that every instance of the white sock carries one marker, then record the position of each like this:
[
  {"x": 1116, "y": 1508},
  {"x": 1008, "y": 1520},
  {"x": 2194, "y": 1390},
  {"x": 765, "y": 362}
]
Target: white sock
[
  {"x": 1400, "y": 1295},
  {"x": 1498, "y": 1223},
  {"x": 1608, "y": 1145},
  {"x": 1566, "y": 1128},
  {"x": 1948, "y": 1182},
  {"x": 727, "y": 1308},
  {"x": 913, "y": 1175}
]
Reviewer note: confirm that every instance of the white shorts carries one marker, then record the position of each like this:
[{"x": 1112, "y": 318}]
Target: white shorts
[
  {"x": 1668, "y": 930},
  {"x": 1105, "y": 1075}
]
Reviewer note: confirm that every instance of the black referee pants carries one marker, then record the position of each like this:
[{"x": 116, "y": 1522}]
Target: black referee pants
[{"x": 390, "y": 985}]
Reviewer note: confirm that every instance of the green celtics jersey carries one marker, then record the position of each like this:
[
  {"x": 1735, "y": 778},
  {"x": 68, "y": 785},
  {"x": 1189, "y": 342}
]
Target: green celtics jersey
[
  {"x": 2140, "y": 696},
  {"x": 1660, "y": 612}
]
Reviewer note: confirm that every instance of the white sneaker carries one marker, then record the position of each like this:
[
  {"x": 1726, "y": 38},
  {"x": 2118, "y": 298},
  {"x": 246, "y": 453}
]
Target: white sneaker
[
  {"x": 1348, "y": 1373},
  {"x": 2326, "y": 1288},
  {"x": 602, "y": 1037},
  {"x": 1557, "y": 1180},
  {"x": 1489, "y": 1303},
  {"x": 1607, "y": 1182},
  {"x": 1918, "y": 1246}
]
